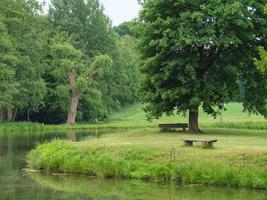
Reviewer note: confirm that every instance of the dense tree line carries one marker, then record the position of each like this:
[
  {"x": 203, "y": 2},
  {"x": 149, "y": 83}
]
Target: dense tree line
[
  {"x": 71, "y": 65},
  {"x": 69, "y": 62}
]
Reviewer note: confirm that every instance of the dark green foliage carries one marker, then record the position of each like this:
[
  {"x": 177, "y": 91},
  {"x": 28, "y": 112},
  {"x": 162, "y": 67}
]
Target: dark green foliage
[
  {"x": 122, "y": 77},
  {"x": 195, "y": 52},
  {"x": 123, "y": 29},
  {"x": 127, "y": 28}
]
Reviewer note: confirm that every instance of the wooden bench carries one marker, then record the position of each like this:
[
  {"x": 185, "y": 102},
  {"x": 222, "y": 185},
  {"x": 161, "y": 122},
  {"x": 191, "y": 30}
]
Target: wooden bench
[
  {"x": 205, "y": 143},
  {"x": 172, "y": 127}
]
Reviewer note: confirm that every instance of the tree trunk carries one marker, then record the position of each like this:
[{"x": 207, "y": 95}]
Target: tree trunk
[
  {"x": 193, "y": 121},
  {"x": 9, "y": 114},
  {"x": 28, "y": 115},
  {"x": 14, "y": 115},
  {"x": 1, "y": 115},
  {"x": 75, "y": 97}
]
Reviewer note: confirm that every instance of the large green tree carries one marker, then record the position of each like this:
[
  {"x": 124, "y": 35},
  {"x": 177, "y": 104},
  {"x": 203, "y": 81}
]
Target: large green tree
[
  {"x": 196, "y": 51},
  {"x": 24, "y": 28},
  {"x": 92, "y": 35},
  {"x": 8, "y": 87},
  {"x": 70, "y": 62}
]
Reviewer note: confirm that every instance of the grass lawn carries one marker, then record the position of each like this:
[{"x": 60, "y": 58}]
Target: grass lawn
[
  {"x": 233, "y": 117},
  {"x": 230, "y": 140},
  {"x": 234, "y": 146},
  {"x": 134, "y": 114},
  {"x": 239, "y": 159}
]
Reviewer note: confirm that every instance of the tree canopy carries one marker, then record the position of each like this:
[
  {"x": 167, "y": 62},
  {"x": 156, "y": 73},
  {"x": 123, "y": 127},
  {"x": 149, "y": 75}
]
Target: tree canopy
[
  {"x": 72, "y": 65},
  {"x": 39, "y": 53},
  {"x": 195, "y": 53}
]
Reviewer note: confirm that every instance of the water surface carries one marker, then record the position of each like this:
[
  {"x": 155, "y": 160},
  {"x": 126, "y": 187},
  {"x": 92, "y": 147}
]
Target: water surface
[{"x": 15, "y": 183}]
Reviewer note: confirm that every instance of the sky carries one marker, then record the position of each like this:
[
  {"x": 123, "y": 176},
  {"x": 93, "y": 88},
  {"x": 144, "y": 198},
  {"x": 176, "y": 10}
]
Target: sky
[{"x": 118, "y": 10}]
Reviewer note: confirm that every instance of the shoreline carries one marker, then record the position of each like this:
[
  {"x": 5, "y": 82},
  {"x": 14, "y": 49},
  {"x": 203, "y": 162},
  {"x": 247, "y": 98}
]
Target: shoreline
[
  {"x": 146, "y": 156},
  {"x": 23, "y": 126},
  {"x": 171, "y": 183}
]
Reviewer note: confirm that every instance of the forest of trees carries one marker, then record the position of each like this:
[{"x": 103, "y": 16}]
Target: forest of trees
[
  {"x": 65, "y": 65},
  {"x": 71, "y": 65}
]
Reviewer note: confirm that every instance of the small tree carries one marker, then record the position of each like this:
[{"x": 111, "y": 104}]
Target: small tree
[
  {"x": 8, "y": 61},
  {"x": 80, "y": 73},
  {"x": 195, "y": 52}
]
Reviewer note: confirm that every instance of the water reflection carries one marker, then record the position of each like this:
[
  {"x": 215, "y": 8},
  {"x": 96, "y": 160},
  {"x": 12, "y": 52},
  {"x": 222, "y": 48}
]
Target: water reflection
[
  {"x": 97, "y": 189},
  {"x": 11, "y": 142},
  {"x": 14, "y": 183}
]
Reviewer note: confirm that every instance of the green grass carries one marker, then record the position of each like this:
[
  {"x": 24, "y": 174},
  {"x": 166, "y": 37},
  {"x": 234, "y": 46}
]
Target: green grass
[
  {"x": 239, "y": 159},
  {"x": 21, "y": 127},
  {"x": 233, "y": 117}
]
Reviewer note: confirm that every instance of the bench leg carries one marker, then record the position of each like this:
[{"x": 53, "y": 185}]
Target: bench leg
[
  {"x": 184, "y": 129},
  {"x": 164, "y": 129},
  {"x": 207, "y": 145},
  {"x": 188, "y": 143}
]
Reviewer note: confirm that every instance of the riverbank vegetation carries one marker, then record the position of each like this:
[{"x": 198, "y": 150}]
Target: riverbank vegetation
[{"x": 239, "y": 159}]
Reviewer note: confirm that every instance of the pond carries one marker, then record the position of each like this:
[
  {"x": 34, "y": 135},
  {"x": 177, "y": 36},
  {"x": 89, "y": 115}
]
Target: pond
[{"x": 16, "y": 183}]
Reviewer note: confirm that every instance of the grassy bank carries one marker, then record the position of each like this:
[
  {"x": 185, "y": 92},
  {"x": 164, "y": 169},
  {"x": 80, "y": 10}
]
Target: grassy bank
[
  {"x": 134, "y": 117},
  {"x": 239, "y": 159},
  {"x": 30, "y": 127}
]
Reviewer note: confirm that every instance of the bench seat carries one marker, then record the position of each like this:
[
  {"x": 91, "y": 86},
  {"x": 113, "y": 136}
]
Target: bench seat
[
  {"x": 173, "y": 127},
  {"x": 206, "y": 143}
]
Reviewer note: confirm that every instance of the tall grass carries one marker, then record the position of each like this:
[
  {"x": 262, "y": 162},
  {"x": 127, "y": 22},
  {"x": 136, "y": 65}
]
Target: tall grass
[
  {"x": 22, "y": 126},
  {"x": 66, "y": 157}
]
